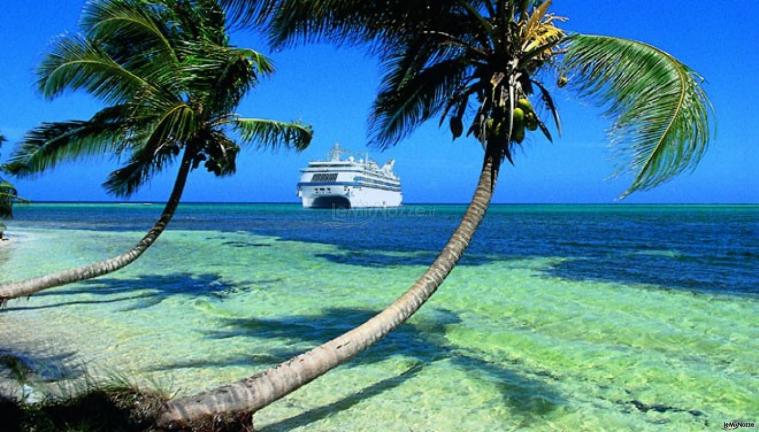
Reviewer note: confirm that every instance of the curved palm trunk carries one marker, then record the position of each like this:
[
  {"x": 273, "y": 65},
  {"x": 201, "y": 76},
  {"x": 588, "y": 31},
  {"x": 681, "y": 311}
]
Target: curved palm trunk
[
  {"x": 239, "y": 400},
  {"x": 28, "y": 287}
]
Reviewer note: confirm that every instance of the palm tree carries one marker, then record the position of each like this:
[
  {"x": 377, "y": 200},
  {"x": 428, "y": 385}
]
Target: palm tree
[
  {"x": 483, "y": 64},
  {"x": 172, "y": 81},
  {"x": 8, "y": 196}
]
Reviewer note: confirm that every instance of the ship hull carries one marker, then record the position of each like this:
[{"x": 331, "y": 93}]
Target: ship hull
[{"x": 342, "y": 196}]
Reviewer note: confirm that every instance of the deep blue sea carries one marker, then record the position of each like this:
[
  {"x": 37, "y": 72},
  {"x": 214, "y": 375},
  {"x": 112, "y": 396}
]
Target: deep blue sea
[{"x": 694, "y": 247}]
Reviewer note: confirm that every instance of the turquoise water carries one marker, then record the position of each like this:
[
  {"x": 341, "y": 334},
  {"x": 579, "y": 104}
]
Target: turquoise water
[{"x": 559, "y": 318}]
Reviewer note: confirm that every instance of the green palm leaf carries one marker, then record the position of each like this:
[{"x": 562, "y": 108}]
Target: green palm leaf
[
  {"x": 660, "y": 112},
  {"x": 272, "y": 133},
  {"x": 51, "y": 143},
  {"x": 175, "y": 126},
  {"x": 76, "y": 63},
  {"x": 222, "y": 75},
  {"x": 114, "y": 21},
  {"x": 410, "y": 97},
  {"x": 143, "y": 163},
  {"x": 153, "y": 148}
]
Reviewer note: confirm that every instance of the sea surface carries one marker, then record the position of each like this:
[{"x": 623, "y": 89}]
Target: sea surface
[{"x": 560, "y": 317}]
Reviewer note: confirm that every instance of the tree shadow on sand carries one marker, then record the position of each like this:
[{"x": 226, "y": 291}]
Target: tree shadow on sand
[
  {"x": 423, "y": 341},
  {"x": 145, "y": 291},
  {"x": 326, "y": 411}
]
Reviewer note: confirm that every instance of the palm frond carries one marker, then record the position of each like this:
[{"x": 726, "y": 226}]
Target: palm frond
[
  {"x": 353, "y": 21},
  {"x": 220, "y": 75},
  {"x": 201, "y": 19},
  {"x": 142, "y": 165},
  {"x": 250, "y": 12},
  {"x": 259, "y": 62},
  {"x": 661, "y": 113},
  {"x": 52, "y": 143},
  {"x": 294, "y": 20},
  {"x": 272, "y": 133},
  {"x": 177, "y": 124},
  {"x": 115, "y": 21},
  {"x": 548, "y": 101},
  {"x": 76, "y": 63},
  {"x": 153, "y": 148},
  {"x": 409, "y": 98}
]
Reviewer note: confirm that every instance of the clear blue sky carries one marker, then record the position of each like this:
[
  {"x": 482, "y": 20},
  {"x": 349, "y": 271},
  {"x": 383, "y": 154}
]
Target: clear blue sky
[{"x": 333, "y": 89}]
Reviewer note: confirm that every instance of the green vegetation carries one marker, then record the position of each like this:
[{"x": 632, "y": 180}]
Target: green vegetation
[
  {"x": 111, "y": 409},
  {"x": 8, "y": 196},
  {"x": 114, "y": 404}
]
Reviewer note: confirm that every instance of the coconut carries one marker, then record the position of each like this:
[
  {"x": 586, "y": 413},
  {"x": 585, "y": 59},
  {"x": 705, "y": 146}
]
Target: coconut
[
  {"x": 518, "y": 117},
  {"x": 518, "y": 131},
  {"x": 531, "y": 121},
  {"x": 525, "y": 105}
]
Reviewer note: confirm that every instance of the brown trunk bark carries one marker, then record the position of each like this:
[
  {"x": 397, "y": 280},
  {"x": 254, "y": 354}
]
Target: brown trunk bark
[
  {"x": 28, "y": 287},
  {"x": 250, "y": 395}
]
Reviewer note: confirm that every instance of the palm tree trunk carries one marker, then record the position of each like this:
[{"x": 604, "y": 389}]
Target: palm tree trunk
[
  {"x": 28, "y": 287},
  {"x": 240, "y": 399}
]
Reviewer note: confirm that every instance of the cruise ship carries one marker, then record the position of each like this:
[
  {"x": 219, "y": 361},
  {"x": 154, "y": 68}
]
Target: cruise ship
[{"x": 349, "y": 183}]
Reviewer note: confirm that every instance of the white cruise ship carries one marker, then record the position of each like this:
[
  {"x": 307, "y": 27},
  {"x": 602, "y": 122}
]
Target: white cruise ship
[{"x": 349, "y": 183}]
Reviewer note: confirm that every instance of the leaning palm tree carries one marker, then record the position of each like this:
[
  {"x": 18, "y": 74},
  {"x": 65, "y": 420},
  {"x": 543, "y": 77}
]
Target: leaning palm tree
[
  {"x": 172, "y": 81},
  {"x": 482, "y": 66},
  {"x": 8, "y": 197}
]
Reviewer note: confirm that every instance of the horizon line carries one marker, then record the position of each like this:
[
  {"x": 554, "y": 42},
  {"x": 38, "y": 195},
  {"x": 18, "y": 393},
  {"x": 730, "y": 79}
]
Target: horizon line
[{"x": 410, "y": 203}]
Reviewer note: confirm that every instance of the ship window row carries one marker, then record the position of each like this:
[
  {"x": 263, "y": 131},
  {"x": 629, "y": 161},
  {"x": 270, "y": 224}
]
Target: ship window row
[
  {"x": 318, "y": 165},
  {"x": 379, "y": 178},
  {"x": 375, "y": 181},
  {"x": 320, "y": 177},
  {"x": 367, "y": 174},
  {"x": 358, "y": 185},
  {"x": 376, "y": 186}
]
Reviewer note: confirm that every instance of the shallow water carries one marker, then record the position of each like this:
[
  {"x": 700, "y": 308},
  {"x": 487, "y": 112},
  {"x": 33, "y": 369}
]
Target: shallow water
[{"x": 559, "y": 317}]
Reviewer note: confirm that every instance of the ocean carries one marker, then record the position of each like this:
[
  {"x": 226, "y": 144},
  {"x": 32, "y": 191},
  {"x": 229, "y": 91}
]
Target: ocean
[{"x": 559, "y": 317}]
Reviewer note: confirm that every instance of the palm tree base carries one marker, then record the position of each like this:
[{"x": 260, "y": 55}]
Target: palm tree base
[{"x": 241, "y": 422}]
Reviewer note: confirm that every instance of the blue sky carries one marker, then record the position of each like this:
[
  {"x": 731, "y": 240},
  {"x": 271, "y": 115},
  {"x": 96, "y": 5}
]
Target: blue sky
[{"x": 332, "y": 89}]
